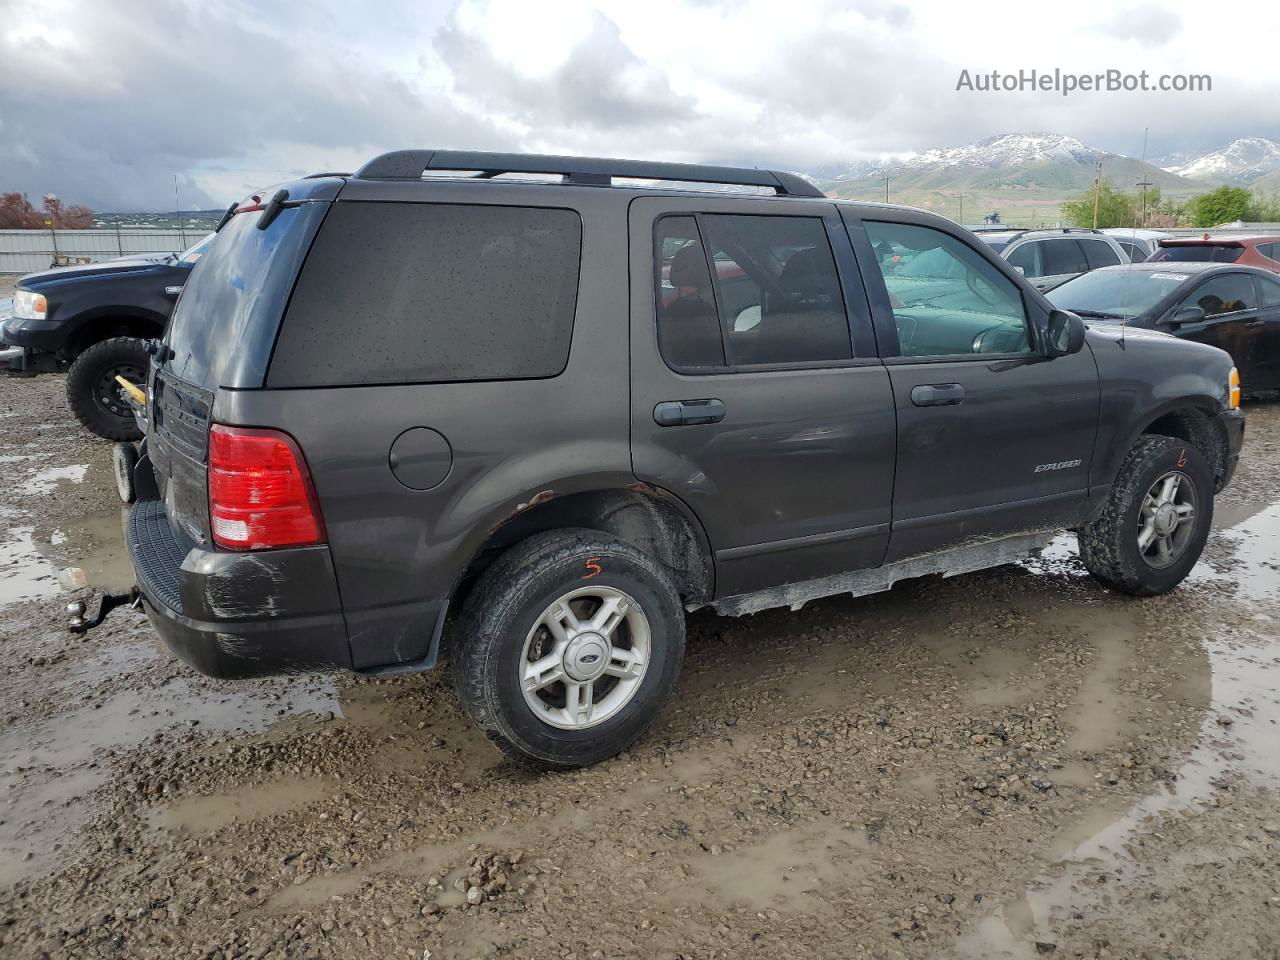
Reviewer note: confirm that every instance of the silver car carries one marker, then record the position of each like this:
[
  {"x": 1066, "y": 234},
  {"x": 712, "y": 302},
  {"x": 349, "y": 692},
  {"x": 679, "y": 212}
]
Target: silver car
[{"x": 1051, "y": 257}]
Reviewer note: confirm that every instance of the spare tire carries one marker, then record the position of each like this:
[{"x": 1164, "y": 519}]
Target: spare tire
[{"x": 93, "y": 394}]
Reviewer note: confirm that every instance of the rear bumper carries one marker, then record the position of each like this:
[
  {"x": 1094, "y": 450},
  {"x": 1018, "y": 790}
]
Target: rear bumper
[
  {"x": 238, "y": 614},
  {"x": 1232, "y": 422}
]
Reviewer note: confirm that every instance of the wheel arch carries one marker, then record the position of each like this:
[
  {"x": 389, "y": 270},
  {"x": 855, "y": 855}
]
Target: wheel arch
[
  {"x": 646, "y": 516},
  {"x": 1193, "y": 420},
  {"x": 103, "y": 323}
]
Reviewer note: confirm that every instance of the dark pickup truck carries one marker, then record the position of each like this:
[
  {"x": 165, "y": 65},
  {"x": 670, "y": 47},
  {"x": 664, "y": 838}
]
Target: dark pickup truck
[
  {"x": 92, "y": 320},
  {"x": 554, "y": 413}
]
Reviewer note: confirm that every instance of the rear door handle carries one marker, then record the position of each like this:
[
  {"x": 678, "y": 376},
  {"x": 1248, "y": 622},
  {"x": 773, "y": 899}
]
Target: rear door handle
[
  {"x": 937, "y": 394},
  {"x": 683, "y": 413}
]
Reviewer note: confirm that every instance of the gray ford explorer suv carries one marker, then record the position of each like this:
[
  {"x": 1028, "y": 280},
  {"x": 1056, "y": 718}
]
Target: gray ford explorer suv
[{"x": 556, "y": 402}]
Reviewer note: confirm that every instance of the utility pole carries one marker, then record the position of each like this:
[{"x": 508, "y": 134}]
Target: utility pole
[
  {"x": 886, "y": 188},
  {"x": 962, "y": 209},
  {"x": 1097, "y": 194},
  {"x": 1143, "y": 183},
  {"x": 177, "y": 209}
]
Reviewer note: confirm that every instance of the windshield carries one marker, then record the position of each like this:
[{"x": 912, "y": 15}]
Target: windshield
[
  {"x": 1113, "y": 294},
  {"x": 1199, "y": 253},
  {"x": 193, "y": 253}
]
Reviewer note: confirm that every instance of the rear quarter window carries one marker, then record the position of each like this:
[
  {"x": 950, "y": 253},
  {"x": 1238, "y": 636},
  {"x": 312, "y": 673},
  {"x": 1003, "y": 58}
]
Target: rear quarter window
[{"x": 431, "y": 293}]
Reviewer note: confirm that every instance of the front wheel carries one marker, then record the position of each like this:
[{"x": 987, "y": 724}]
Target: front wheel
[
  {"x": 1156, "y": 521},
  {"x": 568, "y": 647},
  {"x": 96, "y": 397}
]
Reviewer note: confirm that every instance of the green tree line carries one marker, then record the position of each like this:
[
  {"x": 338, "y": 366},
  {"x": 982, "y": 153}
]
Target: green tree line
[{"x": 1117, "y": 208}]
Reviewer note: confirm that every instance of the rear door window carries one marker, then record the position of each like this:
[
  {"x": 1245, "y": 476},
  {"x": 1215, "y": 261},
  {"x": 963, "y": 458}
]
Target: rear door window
[
  {"x": 1063, "y": 255},
  {"x": 777, "y": 290},
  {"x": 1098, "y": 253},
  {"x": 741, "y": 291},
  {"x": 432, "y": 293}
]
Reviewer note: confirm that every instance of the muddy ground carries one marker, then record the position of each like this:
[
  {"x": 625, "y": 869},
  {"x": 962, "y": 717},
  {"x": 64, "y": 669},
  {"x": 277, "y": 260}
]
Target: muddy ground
[{"x": 1016, "y": 763}]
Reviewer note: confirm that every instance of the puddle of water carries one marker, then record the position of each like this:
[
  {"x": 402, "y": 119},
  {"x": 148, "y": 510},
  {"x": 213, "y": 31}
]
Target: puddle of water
[
  {"x": 24, "y": 573},
  {"x": 207, "y": 814},
  {"x": 47, "y": 770},
  {"x": 37, "y": 563},
  {"x": 91, "y": 551},
  {"x": 784, "y": 871},
  {"x": 1245, "y": 681},
  {"x": 47, "y": 479}
]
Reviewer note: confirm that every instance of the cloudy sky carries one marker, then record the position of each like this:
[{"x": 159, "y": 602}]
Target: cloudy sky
[{"x": 104, "y": 101}]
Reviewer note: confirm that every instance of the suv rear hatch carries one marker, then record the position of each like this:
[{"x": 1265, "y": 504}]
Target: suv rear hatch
[{"x": 221, "y": 336}]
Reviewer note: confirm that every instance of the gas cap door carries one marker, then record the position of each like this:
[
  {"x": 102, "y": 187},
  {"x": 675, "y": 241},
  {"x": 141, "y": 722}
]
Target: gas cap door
[{"x": 421, "y": 458}]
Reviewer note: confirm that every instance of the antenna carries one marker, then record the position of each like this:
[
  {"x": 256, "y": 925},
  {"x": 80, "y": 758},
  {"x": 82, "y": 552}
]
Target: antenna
[{"x": 1133, "y": 242}]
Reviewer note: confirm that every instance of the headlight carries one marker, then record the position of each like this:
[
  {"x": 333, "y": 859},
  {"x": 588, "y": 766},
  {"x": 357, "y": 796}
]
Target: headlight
[
  {"x": 1233, "y": 389},
  {"x": 28, "y": 305}
]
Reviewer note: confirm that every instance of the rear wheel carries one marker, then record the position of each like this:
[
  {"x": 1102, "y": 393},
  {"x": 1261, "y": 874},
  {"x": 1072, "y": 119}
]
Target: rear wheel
[
  {"x": 96, "y": 397},
  {"x": 567, "y": 648},
  {"x": 1156, "y": 521}
]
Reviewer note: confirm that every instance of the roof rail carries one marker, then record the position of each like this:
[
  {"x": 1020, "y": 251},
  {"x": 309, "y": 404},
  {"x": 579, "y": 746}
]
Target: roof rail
[{"x": 411, "y": 164}]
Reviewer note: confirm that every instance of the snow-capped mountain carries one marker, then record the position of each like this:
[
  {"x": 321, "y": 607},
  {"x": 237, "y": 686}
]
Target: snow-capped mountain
[
  {"x": 1045, "y": 162},
  {"x": 1005, "y": 150},
  {"x": 1241, "y": 161}
]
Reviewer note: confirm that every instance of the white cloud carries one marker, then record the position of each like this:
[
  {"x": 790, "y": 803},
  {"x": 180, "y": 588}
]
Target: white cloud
[{"x": 104, "y": 103}]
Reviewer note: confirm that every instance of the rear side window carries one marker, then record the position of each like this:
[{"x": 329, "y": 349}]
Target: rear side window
[
  {"x": 432, "y": 293},
  {"x": 1027, "y": 259},
  {"x": 1133, "y": 250},
  {"x": 1269, "y": 250},
  {"x": 1199, "y": 253},
  {"x": 1098, "y": 253},
  {"x": 748, "y": 291},
  {"x": 1226, "y": 294},
  {"x": 1270, "y": 291},
  {"x": 1062, "y": 255}
]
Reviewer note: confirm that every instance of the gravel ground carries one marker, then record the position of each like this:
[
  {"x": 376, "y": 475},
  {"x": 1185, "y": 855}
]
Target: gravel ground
[{"x": 1014, "y": 763}]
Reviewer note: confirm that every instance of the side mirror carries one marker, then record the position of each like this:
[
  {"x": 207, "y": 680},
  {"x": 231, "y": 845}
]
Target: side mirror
[
  {"x": 1187, "y": 314},
  {"x": 1022, "y": 271},
  {"x": 1064, "y": 334}
]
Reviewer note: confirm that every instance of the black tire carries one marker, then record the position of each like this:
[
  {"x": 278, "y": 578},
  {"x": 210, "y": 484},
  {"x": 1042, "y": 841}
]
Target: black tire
[
  {"x": 1109, "y": 545},
  {"x": 92, "y": 395},
  {"x": 124, "y": 459},
  {"x": 503, "y": 609}
]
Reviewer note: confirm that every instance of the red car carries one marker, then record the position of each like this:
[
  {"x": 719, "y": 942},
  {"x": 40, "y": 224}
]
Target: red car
[{"x": 1260, "y": 251}]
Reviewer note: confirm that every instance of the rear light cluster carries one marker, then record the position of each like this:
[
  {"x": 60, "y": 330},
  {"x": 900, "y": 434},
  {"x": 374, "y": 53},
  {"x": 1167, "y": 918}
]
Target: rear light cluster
[{"x": 260, "y": 493}]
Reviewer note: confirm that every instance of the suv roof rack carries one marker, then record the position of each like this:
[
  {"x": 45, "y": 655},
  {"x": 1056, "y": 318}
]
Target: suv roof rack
[
  {"x": 596, "y": 171},
  {"x": 998, "y": 229}
]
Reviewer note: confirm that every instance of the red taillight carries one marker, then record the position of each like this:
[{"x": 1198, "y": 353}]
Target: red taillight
[{"x": 260, "y": 494}]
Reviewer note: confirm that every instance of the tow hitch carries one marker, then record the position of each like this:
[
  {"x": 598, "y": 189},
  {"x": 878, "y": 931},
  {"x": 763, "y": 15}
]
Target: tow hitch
[{"x": 84, "y": 615}]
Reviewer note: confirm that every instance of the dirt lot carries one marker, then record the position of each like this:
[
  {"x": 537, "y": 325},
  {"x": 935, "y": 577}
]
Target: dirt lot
[{"x": 1015, "y": 763}]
